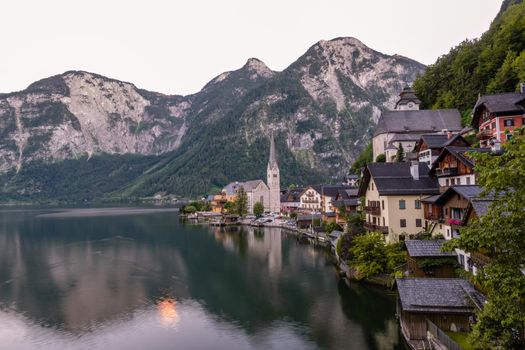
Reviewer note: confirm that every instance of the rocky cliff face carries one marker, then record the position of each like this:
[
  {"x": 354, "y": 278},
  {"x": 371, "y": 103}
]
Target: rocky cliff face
[
  {"x": 322, "y": 109},
  {"x": 79, "y": 113}
]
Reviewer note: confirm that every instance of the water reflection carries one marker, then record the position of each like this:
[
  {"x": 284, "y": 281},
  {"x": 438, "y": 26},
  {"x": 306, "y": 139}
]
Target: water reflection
[{"x": 148, "y": 281}]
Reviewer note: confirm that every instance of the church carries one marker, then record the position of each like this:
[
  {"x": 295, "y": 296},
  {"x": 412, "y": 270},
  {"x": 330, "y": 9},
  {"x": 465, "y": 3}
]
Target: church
[{"x": 268, "y": 193}]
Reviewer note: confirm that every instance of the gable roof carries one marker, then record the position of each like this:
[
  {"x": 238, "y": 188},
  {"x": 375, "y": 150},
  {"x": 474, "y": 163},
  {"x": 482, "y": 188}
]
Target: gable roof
[
  {"x": 426, "y": 248},
  {"x": 292, "y": 195},
  {"x": 500, "y": 104},
  {"x": 468, "y": 192},
  {"x": 395, "y": 179},
  {"x": 438, "y": 295},
  {"x": 232, "y": 188},
  {"x": 439, "y": 140},
  {"x": 461, "y": 153},
  {"x": 418, "y": 121}
]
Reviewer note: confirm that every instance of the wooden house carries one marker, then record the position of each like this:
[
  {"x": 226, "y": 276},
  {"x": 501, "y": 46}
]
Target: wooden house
[
  {"x": 496, "y": 116},
  {"x": 429, "y": 146},
  {"x": 425, "y": 259},
  {"x": 450, "y": 303}
]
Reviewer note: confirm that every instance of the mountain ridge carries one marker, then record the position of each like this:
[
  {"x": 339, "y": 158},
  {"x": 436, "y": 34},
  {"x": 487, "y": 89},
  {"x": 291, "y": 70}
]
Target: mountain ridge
[{"x": 322, "y": 107}]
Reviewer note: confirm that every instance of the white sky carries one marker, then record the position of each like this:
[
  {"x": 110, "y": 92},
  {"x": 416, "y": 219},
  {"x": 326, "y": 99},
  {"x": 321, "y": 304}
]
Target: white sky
[{"x": 178, "y": 46}]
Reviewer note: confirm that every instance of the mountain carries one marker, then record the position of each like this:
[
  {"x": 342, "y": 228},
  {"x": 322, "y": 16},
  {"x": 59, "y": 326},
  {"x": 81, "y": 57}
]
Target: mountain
[
  {"x": 98, "y": 136},
  {"x": 491, "y": 64}
]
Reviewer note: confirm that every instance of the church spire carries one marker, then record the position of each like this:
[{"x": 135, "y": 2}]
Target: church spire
[{"x": 272, "y": 161}]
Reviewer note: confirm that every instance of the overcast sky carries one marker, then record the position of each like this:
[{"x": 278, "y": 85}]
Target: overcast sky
[{"x": 178, "y": 46}]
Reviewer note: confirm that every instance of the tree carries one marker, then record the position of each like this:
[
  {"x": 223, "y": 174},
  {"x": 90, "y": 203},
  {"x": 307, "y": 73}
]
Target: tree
[
  {"x": 229, "y": 207},
  {"x": 332, "y": 226},
  {"x": 241, "y": 203},
  {"x": 365, "y": 157},
  {"x": 500, "y": 234},
  {"x": 381, "y": 158},
  {"x": 258, "y": 209},
  {"x": 400, "y": 155},
  {"x": 189, "y": 209},
  {"x": 369, "y": 256}
]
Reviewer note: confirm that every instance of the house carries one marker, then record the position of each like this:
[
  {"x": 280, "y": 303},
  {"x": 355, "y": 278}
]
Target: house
[
  {"x": 346, "y": 201},
  {"x": 454, "y": 206},
  {"x": 218, "y": 202},
  {"x": 496, "y": 116},
  {"x": 429, "y": 146},
  {"x": 449, "y": 303},
  {"x": 351, "y": 180},
  {"x": 310, "y": 199},
  {"x": 291, "y": 199},
  {"x": 477, "y": 208},
  {"x": 407, "y": 123},
  {"x": 455, "y": 166},
  {"x": 393, "y": 194},
  {"x": 426, "y": 259},
  {"x": 308, "y": 221},
  {"x": 406, "y": 141},
  {"x": 329, "y": 193}
]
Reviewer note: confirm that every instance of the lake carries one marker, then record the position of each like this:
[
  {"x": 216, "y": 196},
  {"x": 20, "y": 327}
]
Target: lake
[{"x": 125, "y": 279}]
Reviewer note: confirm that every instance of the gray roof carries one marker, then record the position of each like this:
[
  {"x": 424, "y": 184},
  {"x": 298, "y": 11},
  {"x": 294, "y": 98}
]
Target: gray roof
[
  {"x": 308, "y": 217},
  {"x": 500, "y": 103},
  {"x": 428, "y": 248},
  {"x": 395, "y": 178},
  {"x": 438, "y": 295},
  {"x": 232, "y": 188},
  {"x": 468, "y": 192},
  {"x": 461, "y": 153},
  {"x": 481, "y": 206},
  {"x": 405, "y": 137},
  {"x": 407, "y": 95},
  {"x": 422, "y": 121},
  {"x": 431, "y": 199}
]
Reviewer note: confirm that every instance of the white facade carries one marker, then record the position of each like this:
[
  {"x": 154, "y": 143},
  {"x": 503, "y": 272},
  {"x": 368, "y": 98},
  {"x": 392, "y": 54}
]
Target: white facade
[{"x": 310, "y": 200}]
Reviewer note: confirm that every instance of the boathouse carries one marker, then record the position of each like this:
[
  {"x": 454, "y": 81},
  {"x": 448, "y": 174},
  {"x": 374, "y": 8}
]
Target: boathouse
[
  {"x": 449, "y": 303},
  {"x": 426, "y": 259}
]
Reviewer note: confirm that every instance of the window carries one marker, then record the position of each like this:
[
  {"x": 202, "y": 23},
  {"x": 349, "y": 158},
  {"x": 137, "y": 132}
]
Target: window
[
  {"x": 508, "y": 136},
  {"x": 417, "y": 204},
  {"x": 508, "y": 122},
  {"x": 452, "y": 182},
  {"x": 403, "y": 223},
  {"x": 522, "y": 121},
  {"x": 383, "y": 205},
  {"x": 383, "y": 221},
  {"x": 459, "y": 181},
  {"x": 447, "y": 182},
  {"x": 372, "y": 186},
  {"x": 402, "y": 204},
  {"x": 418, "y": 223},
  {"x": 374, "y": 220},
  {"x": 468, "y": 180}
]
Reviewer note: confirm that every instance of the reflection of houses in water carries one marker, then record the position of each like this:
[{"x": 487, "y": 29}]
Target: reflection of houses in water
[
  {"x": 167, "y": 308},
  {"x": 267, "y": 244}
]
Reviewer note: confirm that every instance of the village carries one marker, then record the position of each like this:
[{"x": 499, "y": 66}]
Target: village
[{"x": 420, "y": 192}]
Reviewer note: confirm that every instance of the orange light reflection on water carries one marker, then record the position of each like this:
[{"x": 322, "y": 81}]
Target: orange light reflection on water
[{"x": 167, "y": 308}]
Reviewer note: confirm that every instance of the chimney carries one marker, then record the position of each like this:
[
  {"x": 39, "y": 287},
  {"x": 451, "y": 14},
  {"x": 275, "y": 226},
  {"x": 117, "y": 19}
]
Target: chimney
[
  {"x": 449, "y": 134},
  {"x": 522, "y": 88},
  {"x": 414, "y": 169}
]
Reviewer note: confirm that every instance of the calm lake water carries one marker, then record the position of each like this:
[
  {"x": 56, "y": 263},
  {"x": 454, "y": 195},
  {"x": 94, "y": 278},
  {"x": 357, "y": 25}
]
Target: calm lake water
[{"x": 138, "y": 279}]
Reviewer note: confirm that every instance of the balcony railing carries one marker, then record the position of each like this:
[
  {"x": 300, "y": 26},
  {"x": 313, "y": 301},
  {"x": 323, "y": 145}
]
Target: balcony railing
[
  {"x": 447, "y": 172},
  {"x": 373, "y": 210},
  {"x": 310, "y": 200},
  {"x": 434, "y": 217},
  {"x": 484, "y": 134},
  {"x": 376, "y": 228},
  {"x": 479, "y": 259}
]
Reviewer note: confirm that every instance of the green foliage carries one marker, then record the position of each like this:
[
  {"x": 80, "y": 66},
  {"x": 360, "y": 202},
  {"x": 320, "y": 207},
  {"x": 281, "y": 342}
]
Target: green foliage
[
  {"x": 193, "y": 207},
  {"x": 494, "y": 63},
  {"x": 332, "y": 226},
  {"x": 435, "y": 262},
  {"x": 258, "y": 209},
  {"x": 189, "y": 209},
  {"x": 400, "y": 154},
  {"x": 500, "y": 234},
  {"x": 372, "y": 256},
  {"x": 229, "y": 207},
  {"x": 293, "y": 215},
  {"x": 381, "y": 158},
  {"x": 240, "y": 206},
  {"x": 365, "y": 157}
]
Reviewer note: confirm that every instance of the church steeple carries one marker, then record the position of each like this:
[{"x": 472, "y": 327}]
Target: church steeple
[
  {"x": 274, "y": 179},
  {"x": 408, "y": 100},
  {"x": 272, "y": 161}
]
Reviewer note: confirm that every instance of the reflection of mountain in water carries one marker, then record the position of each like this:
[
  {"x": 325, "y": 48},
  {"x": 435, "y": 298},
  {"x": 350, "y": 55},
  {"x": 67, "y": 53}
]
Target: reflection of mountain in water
[{"x": 78, "y": 273}]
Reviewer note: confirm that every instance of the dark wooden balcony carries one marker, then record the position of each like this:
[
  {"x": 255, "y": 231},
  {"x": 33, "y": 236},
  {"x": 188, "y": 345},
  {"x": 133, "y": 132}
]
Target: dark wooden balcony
[
  {"x": 447, "y": 172},
  {"x": 434, "y": 217},
  {"x": 479, "y": 259},
  {"x": 376, "y": 228},
  {"x": 484, "y": 134},
  {"x": 373, "y": 210}
]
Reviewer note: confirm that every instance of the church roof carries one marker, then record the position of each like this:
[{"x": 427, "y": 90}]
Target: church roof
[{"x": 418, "y": 121}]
